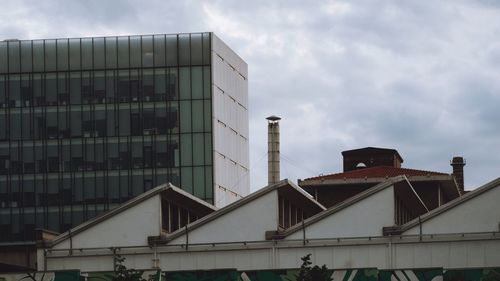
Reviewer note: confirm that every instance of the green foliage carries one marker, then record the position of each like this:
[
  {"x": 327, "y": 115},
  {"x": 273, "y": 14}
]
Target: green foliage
[
  {"x": 487, "y": 274},
  {"x": 315, "y": 273},
  {"x": 289, "y": 275},
  {"x": 122, "y": 273},
  {"x": 201, "y": 275},
  {"x": 33, "y": 276}
]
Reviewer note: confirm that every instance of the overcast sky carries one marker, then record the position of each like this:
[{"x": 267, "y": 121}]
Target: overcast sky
[{"x": 422, "y": 77}]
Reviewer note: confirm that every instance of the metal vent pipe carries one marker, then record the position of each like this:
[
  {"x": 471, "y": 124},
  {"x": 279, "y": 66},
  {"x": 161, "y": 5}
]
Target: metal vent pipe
[{"x": 273, "y": 149}]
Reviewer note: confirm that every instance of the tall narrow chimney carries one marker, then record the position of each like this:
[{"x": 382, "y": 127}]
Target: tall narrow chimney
[
  {"x": 458, "y": 164},
  {"x": 273, "y": 149}
]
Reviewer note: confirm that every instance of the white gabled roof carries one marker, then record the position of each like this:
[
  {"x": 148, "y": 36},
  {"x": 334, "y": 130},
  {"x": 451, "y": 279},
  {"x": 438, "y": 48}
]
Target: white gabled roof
[
  {"x": 408, "y": 192},
  {"x": 168, "y": 189},
  {"x": 283, "y": 185},
  {"x": 454, "y": 204}
]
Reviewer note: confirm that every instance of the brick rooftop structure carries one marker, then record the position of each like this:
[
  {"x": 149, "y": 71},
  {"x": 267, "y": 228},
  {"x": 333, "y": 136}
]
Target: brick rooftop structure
[{"x": 366, "y": 167}]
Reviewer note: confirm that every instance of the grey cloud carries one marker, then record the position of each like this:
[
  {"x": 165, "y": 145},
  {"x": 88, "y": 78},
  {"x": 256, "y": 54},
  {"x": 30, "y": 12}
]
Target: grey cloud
[
  {"x": 492, "y": 55},
  {"x": 418, "y": 76},
  {"x": 481, "y": 103},
  {"x": 398, "y": 85}
]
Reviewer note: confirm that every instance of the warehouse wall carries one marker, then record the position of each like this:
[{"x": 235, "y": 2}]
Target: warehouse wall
[
  {"x": 453, "y": 252},
  {"x": 480, "y": 213},
  {"x": 130, "y": 227},
  {"x": 248, "y": 222},
  {"x": 362, "y": 219}
]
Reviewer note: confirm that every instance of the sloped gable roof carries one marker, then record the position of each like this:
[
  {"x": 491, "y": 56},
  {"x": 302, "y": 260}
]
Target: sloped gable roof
[
  {"x": 243, "y": 201},
  {"x": 450, "y": 205},
  {"x": 127, "y": 205},
  {"x": 353, "y": 200}
]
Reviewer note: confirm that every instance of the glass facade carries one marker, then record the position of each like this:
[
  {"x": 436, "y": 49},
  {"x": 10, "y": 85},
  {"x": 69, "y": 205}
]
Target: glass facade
[{"x": 88, "y": 123}]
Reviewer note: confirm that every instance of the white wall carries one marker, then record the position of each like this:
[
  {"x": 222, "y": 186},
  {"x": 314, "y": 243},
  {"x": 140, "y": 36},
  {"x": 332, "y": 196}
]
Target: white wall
[
  {"x": 479, "y": 214},
  {"x": 362, "y": 219},
  {"x": 382, "y": 253},
  {"x": 246, "y": 223},
  {"x": 90, "y": 263},
  {"x": 464, "y": 254},
  {"x": 259, "y": 258},
  {"x": 128, "y": 228},
  {"x": 230, "y": 124}
]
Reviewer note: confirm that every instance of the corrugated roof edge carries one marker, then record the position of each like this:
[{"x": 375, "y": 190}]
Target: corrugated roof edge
[{"x": 325, "y": 177}]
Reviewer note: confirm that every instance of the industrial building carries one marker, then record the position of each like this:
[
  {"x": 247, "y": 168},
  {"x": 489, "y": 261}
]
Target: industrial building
[
  {"x": 89, "y": 123},
  {"x": 374, "y": 221},
  {"x": 369, "y": 166},
  {"x": 385, "y": 232},
  {"x": 368, "y": 231}
]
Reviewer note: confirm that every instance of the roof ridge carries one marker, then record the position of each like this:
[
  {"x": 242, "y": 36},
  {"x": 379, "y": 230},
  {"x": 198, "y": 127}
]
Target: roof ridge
[
  {"x": 357, "y": 171},
  {"x": 428, "y": 171}
]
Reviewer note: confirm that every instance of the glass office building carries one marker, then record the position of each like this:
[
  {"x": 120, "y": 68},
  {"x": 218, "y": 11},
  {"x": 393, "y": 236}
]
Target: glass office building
[{"x": 88, "y": 123}]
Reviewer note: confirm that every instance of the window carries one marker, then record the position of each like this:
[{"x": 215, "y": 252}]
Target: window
[{"x": 93, "y": 121}]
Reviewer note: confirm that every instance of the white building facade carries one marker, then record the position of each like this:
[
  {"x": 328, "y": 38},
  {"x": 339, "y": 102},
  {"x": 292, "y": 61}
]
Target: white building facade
[
  {"x": 230, "y": 124},
  {"x": 249, "y": 235}
]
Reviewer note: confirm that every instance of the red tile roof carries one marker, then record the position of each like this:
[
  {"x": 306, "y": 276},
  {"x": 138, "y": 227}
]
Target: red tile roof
[{"x": 377, "y": 172}]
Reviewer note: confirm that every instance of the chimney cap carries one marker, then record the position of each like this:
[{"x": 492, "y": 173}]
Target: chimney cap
[
  {"x": 273, "y": 118},
  {"x": 457, "y": 160}
]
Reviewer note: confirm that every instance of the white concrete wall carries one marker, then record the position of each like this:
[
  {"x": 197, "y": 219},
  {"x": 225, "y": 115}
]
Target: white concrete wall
[
  {"x": 466, "y": 254},
  {"x": 259, "y": 258},
  {"x": 89, "y": 263},
  {"x": 383, "y": 253},
  {"x": 230, "y": 124},
  {"x": 362, "y": 219},
  {"x": 246, "y": 223},
  {"x": 130, "y": 227},
  {"x": 479, "y": 214}
]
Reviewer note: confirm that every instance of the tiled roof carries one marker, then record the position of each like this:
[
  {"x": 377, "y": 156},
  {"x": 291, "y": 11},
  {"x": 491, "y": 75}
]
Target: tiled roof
[{"x": 378, "y": 172}]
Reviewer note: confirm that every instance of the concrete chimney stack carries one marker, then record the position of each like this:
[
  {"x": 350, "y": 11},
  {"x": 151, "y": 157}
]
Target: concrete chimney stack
[
  {"x": 458, "y": 164},
  {"x": 273, "y": 149}
]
